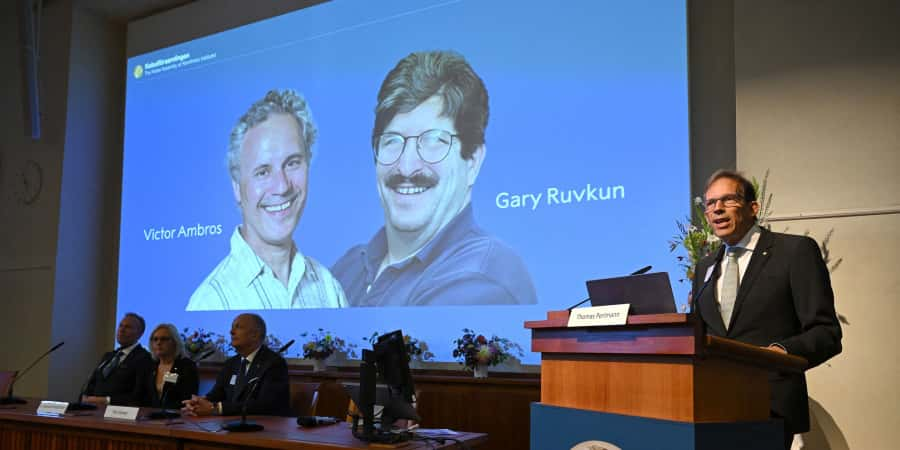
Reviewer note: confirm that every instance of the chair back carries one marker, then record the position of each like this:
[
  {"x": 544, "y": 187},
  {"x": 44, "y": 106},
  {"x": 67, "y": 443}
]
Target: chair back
[
  {"x": 304, "y": 398},
  {"x": 6, "y": 379}
]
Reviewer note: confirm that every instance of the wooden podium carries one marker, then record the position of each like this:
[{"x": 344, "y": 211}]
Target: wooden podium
[{"x": 660, "y": 366}]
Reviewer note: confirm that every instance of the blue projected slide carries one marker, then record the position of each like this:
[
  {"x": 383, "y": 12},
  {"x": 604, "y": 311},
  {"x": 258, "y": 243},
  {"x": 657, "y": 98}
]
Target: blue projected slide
[{"x": 581, "y": 174}]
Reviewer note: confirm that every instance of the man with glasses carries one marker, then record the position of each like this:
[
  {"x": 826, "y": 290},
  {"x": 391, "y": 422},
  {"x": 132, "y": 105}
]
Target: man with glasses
[
  {"x": 767, "y": 289},
  {"x": 428, "y": 143}
]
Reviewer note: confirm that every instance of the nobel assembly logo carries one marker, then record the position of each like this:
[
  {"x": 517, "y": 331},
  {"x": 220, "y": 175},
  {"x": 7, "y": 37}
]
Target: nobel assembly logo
[
  {"x": 138, "y": 71},
  {"x": 595, "y": 445}
]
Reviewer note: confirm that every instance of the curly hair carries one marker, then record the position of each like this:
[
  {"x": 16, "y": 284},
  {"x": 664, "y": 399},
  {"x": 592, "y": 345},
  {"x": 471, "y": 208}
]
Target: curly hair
[{"x": 286, "y": 101}]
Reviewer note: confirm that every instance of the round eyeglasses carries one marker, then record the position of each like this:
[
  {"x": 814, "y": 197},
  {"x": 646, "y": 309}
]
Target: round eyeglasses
[{"x": 432, "y": 146}]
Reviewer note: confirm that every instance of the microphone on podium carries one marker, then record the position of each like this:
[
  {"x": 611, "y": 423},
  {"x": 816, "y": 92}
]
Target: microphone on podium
[{"x": 12, "y": 400}]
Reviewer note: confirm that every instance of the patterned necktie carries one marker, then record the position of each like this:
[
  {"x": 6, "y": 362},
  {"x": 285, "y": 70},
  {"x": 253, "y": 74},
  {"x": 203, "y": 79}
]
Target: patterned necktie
[
  {"x": 112, "y": 364},
  {"x": 731, "y": 282}
]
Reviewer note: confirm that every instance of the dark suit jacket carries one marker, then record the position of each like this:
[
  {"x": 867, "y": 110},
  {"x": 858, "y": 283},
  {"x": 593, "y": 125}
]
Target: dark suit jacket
[
  {"x": 785, "y": 298},
  {"x": 187, "y": 385},
  {"x": 122, "y": 384},
  {"x": 272, "y": 395}
]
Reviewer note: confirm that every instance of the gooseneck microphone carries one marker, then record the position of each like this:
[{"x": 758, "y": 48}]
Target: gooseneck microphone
[
  {"x": 242, "y": 425},
  {"x": 164, "y": 413},
  {"x": 640, "y": 271},
  {"x": 78, "y": 405},
  {"x": 577, "y": 304},
  {"x": 285, "y": 347},
  {"x": 205, "y": 355},
  {"x": 715, "y": 269},
  {"x": 12, "y": 400}
]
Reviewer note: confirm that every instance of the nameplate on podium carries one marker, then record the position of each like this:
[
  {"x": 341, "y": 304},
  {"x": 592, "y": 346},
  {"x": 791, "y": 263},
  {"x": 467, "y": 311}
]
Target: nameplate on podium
[{"x": 599, "y": 316}]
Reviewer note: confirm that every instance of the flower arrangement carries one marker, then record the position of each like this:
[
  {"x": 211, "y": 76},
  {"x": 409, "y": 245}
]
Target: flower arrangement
[
  {"x": 323, "y": 344},
  {"x": 273, "y": 342},
  {"x": 200, "y": 341},
  {"x": 697, "y": 239},
  {"x": 416, "y": 349},
  {"x": 474, "y": 349}
]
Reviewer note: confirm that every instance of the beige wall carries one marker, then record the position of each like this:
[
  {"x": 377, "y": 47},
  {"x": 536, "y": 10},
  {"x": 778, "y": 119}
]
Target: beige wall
[
  {"x": 57, "y": 255},
  {"x": 818, "y": 104},
  {"x": 28, "y": 232}
]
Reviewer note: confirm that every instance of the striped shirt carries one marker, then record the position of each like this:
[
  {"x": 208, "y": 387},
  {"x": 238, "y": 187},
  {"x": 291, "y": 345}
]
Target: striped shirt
[{"x": 243, "y": 281}]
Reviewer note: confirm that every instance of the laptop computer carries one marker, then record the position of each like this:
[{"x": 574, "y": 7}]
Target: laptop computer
[{"x": 648, "y": 293}]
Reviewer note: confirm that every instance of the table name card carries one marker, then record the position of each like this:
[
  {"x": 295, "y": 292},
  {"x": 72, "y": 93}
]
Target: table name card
[
  {"x": 599, "y": 316},
  {"x": 121, "y": 412},
  {"x": 50, "y": 408}
]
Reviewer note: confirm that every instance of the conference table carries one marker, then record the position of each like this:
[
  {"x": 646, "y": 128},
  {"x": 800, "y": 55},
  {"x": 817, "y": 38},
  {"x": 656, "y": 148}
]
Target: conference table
[{"x": 22, "y": 428}]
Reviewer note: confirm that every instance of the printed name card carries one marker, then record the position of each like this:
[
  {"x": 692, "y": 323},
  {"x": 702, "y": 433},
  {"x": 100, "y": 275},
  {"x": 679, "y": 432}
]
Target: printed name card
[
  {"x": 170, "y": 377},
  {"x": 49, "y": 408},
  {"x": 598, "y": 316},
  {"x": 121, "y": 412}
]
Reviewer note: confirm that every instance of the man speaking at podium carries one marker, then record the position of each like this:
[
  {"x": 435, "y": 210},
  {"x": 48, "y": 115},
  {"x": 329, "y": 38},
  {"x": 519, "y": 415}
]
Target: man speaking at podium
[
  {"x": 428, "y": 143},
  {"x": 256, "y": 376},
  {"x": 767, "y": 289}
]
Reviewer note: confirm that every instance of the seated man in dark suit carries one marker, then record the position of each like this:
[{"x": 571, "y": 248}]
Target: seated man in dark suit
[
  {"x": 767, "y": 289},
  {"x": 256, "y": 375},
  {"x": 115, "y": 380}
]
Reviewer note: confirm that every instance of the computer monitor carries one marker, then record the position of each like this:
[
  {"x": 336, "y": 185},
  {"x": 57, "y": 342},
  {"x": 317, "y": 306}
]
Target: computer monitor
[
  {"x": 388, "y": 364},
  {"x": 648, "y": 293}
]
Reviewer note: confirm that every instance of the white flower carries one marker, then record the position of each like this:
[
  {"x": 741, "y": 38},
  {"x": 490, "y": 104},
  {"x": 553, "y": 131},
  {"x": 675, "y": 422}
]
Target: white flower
[
  {"x": 712, "y": 238},
  {"x": 693, "y": 229},
  {"x": 698, "y": 200}
]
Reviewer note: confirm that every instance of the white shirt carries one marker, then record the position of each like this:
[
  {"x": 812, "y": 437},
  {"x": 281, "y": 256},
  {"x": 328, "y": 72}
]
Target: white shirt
[
  {"x": 125, "y": 351},
  {"x": 243, "y": 281},
  {"x": 748, "y": 244},
  {"x": 250, "y": 358}
]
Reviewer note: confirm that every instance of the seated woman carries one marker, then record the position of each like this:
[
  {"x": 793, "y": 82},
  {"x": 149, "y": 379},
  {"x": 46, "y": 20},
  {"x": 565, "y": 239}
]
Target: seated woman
[{"x": 174, "y": 376}]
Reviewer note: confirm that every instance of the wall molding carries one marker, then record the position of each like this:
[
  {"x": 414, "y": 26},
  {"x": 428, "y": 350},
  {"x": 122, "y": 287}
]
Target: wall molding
[{"x": 837, "y": 213}]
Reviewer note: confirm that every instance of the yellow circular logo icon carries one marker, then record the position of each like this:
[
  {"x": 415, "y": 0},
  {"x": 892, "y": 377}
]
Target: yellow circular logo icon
[{"x": 138, "y": 71}]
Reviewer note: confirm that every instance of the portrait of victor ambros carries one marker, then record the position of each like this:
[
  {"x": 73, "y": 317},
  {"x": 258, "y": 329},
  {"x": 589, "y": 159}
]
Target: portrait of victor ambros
[
  {"x": 268, "y": 160},
  {"x": 428, "y": 145}
]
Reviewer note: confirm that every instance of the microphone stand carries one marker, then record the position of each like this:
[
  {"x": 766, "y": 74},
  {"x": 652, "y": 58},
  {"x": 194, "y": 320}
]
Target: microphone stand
[
  {"x": 12, "y": 400},
  {"x": 78, "y": 405},
  {"x": 164, "y": 413},
  {"x": 243, "y": 425}
]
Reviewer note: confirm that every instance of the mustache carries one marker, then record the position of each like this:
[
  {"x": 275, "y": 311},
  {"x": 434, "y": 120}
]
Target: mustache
[{"x": 417, "y": 179}]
